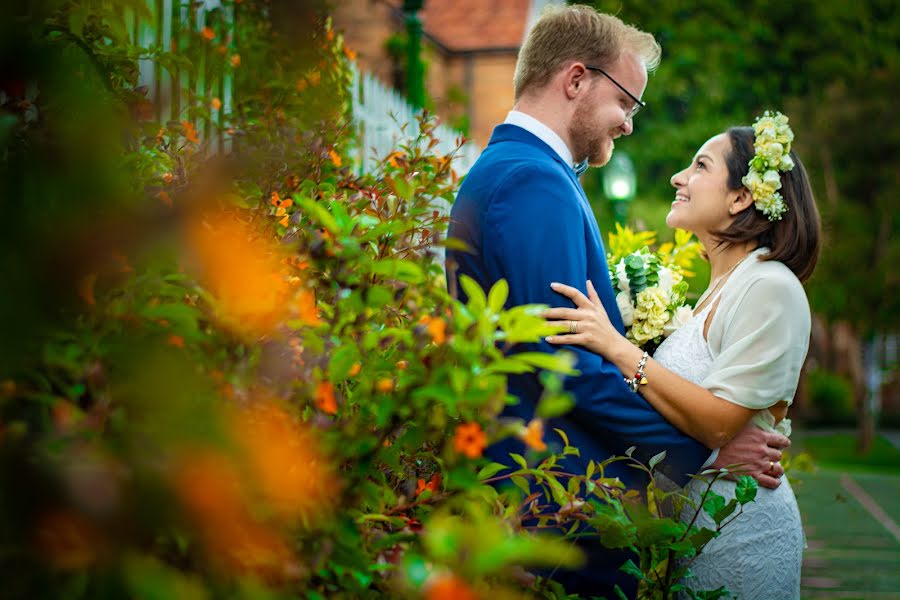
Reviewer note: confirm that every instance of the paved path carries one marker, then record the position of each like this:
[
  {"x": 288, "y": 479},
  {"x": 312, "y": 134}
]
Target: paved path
[{"x": 851, "y": 527}]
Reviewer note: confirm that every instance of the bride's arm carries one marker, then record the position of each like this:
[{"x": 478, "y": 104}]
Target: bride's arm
[{"x": 691, "y": 408}]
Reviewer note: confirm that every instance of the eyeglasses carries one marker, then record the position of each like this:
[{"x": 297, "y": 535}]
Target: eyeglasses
[{"x": 639, "y": 104}]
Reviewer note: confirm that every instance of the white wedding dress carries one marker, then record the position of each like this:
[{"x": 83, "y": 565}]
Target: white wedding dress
[{"x": 758, "y": 555}]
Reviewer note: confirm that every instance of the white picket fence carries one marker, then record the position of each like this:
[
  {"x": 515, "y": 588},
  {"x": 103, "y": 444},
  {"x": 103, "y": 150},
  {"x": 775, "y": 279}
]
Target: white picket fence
[{"x": 385, "y": 120}]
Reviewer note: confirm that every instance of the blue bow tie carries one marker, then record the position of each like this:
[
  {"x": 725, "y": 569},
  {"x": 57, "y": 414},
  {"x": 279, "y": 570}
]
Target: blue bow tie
[{"x": 580, "y": 168}]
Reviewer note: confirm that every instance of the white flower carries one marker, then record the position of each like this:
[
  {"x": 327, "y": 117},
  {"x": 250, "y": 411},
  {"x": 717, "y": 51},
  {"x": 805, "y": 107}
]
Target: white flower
[
  {"x": 772, "y": 178},
  {"x": 752, "y": 179},
  {"x": 622, "y": 277},
  {"x": 623, "y": 299},
  {"x": 666, "y": 281},
  {"x": 682, "y": 315},
  {"x": 787, "y": 163}
]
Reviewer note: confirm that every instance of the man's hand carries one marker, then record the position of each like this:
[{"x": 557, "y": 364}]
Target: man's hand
[{"x": 758, "y": 454}]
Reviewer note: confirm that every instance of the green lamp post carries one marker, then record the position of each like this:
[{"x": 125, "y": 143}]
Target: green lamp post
[
  {"x": 415, "y": 77},
  {"x": 619, "y": 184}
]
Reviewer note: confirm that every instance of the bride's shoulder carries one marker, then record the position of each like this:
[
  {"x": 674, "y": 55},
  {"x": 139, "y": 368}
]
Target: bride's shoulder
[{"x": 772, "y": 280}]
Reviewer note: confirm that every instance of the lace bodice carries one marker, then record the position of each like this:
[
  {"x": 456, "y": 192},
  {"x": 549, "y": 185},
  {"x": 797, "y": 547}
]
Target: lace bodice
[{"x": 685, "y": 352}]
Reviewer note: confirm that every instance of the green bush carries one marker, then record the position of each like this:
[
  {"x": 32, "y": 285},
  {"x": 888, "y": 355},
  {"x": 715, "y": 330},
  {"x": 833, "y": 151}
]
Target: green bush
[
  {"x": 831, "y": 396},
  {"x": 243, "y": 376}
]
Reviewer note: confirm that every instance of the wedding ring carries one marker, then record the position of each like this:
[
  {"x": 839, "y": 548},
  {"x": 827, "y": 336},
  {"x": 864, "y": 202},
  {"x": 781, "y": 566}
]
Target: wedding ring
[
  {"x": 573, "y": 326},
  {"x": 771, "y": 465}
]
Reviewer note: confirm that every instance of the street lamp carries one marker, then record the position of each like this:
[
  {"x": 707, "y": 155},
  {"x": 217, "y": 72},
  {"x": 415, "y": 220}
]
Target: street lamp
[{"x": 619, "y": 184}]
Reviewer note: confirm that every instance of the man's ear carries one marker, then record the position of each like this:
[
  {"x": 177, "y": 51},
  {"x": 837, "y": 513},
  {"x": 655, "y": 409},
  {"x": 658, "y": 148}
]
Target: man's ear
[
  {"x": 741, "y": 201},
  {"x": 574, "y": 79}
]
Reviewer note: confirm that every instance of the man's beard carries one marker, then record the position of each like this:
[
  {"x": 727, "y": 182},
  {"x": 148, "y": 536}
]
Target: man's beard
[{"x": 589, "y": 141}]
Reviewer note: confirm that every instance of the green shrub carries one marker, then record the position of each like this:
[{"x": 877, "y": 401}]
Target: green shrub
[{"x": 831, "y": 396}]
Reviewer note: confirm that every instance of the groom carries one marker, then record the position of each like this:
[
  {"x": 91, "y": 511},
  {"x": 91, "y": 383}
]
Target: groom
[{"x": 524, "y": 217}]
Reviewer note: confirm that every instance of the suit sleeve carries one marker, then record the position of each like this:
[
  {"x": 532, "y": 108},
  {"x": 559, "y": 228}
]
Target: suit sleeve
[{"x": 538, "y": 236}]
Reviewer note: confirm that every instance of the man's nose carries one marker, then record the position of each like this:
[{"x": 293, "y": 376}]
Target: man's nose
[{"x": 628, "y": 126}]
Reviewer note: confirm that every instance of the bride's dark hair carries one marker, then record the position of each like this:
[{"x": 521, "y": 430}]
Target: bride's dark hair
[{"x": 795, "y": 239}]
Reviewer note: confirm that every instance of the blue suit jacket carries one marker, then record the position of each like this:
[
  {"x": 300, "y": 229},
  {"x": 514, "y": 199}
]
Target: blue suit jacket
[{"x": 525, "y": 218}]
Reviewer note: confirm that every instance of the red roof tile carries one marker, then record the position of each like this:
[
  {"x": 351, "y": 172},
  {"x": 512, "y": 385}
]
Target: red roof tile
[{"x": 467, "y": 25}]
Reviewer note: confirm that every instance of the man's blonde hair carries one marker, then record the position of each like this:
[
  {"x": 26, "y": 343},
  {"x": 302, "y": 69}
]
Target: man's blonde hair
[{"x": 577, "y": 32}]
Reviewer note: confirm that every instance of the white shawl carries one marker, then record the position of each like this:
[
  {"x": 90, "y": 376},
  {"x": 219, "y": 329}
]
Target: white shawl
[{"x": 758, "y": 338}]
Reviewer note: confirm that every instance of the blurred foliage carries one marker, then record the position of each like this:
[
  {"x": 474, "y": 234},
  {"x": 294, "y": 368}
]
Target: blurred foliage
[
  {"x": 840, "y": 451},
  {"x": 832, "y": 67},
  {"x": 239, "y": 374},
  {"x": 831, "y": 397}
]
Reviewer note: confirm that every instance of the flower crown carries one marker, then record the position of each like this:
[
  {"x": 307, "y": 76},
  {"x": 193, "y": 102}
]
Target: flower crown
[{"x": 772, "y": 145}]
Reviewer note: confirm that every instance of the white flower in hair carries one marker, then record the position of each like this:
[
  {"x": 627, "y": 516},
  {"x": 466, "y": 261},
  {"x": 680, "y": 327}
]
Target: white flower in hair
[{"x": 772, "y": 149}]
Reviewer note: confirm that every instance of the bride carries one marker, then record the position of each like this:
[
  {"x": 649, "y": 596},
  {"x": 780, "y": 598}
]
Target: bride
[{"x": 746, "y": 196}]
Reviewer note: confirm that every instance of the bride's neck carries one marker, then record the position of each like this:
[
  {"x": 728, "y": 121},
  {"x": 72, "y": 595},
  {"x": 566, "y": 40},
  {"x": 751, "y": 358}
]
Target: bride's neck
[{"x": 722, "y": 259}]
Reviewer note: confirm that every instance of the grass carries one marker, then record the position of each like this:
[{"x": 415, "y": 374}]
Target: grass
[
  {"x": 851, "y": 555},
  {"x": 838, "y": 451}
]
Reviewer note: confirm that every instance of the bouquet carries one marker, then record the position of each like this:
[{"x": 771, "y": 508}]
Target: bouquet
[{"x": 652, "y": 297}]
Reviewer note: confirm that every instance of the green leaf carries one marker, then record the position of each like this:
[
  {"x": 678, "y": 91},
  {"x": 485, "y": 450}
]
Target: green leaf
[
  {"x": 561, "y": 362},
  {"x": 632, "y": 569},
  {"x": 498, "y": 295},
  {"x": 725, "y": 511},
  {"x": 521, "y": 483},
  {"x": 520, "y": 460},
  {"x": 554, "y": 405},
  {"x": 713, "y": 504},
  {"x": 490, "y": 470},
  {"x": 404, "y": 270},
  {"x": 745, "y": 490},
  {"x": 316, "y": 212},
  {"x": 656, "y": 459},
  {"x": 508, "y": 365},
  {"x": 341, "y": 362},
  {"x": 477, "y": 299}
]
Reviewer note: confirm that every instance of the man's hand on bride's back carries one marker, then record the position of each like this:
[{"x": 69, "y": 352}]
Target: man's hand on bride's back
[{"x": 759, "y": 454}]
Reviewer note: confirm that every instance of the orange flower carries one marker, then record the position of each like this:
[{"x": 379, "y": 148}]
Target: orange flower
[
  {"x": 448, "y": 587},
  {"x": 243, "y": 271},
  {"x": 306, "y": 308},
  {"x": 384, "y": 385},
  {"x": 235, "y": 60},
  {"x": 190, "y": 132},
  {"x": 222, "y": 49},
  {"x": 301, "y": 85},
  {"x": 176, "y": 341},
  {"x": 330, "y": 35},
  {"x": 165, "y": 198},
  {"x": 392, "y": 158},
  {"x": 314, "y": 78},
  {"x": 325, "y": 397},
  {"x": 355, "y": 369},
  {"x": 294, "y": 475},
  {"x": 335, "y": 157},
  {"x": 208, "y": 34},
  {"x": 434, "y": 484},
  {"x": 402, "y": 364},
  {"x": 533, "y": 435},
  {"x": 437, "y": 328},
  {"x": 349, "y": 53},
  {"x": 470, "y": 440},
  {"x": 284, "y": 221},
  {"x": 216, "y": 104},
  {"x": 168, "y": 178}
]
